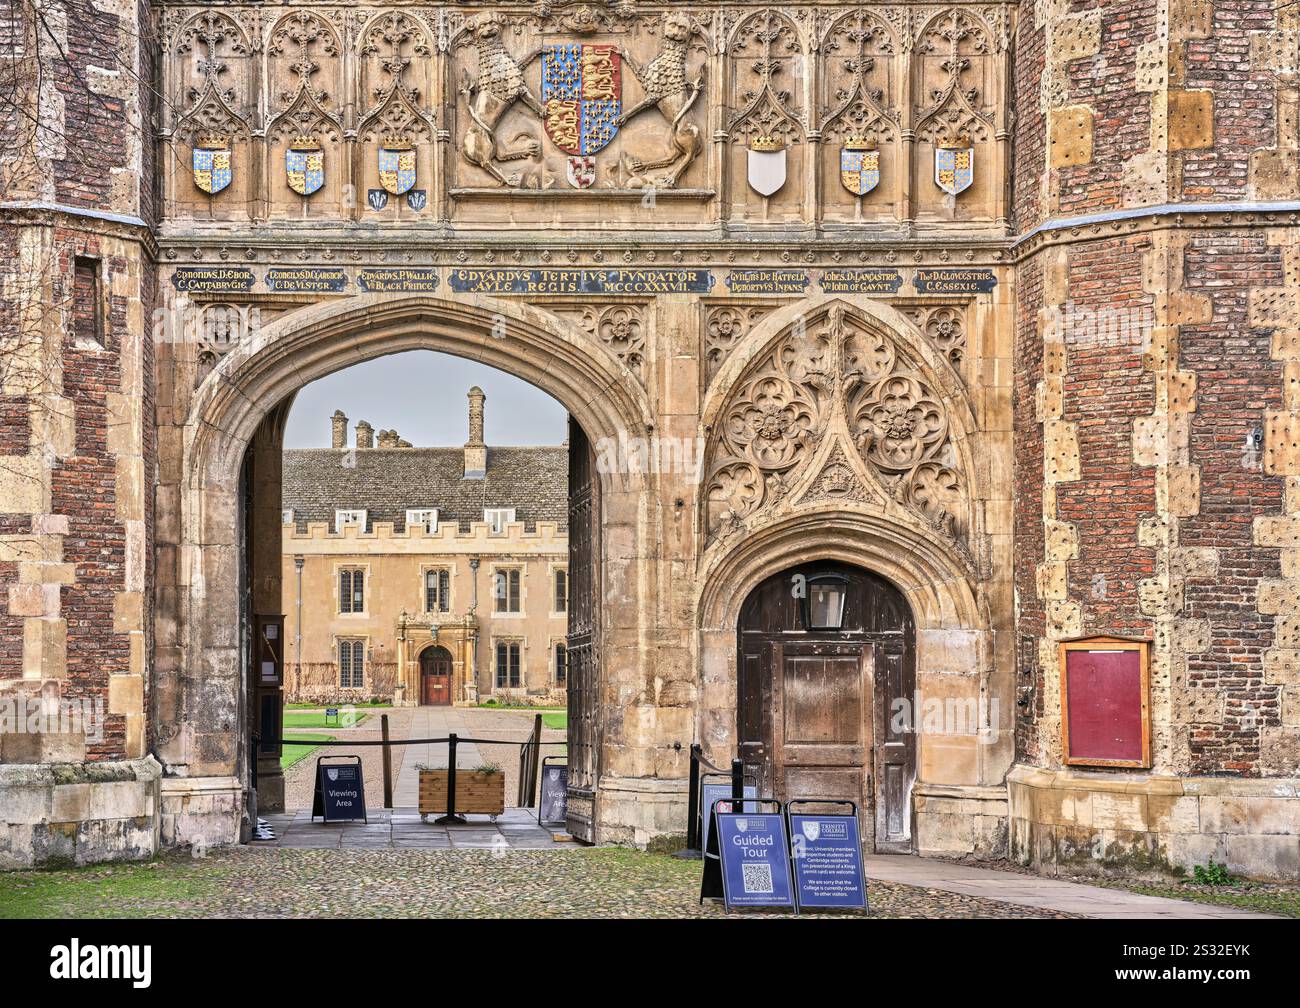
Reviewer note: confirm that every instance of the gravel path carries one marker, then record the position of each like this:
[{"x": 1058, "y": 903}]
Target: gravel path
[
  {"x": 299, "y": 779},
  {"x": 473, "y": 722}
]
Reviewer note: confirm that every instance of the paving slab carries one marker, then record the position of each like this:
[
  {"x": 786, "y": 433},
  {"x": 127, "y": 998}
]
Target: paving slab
[{"x": 1039, "y": 893}]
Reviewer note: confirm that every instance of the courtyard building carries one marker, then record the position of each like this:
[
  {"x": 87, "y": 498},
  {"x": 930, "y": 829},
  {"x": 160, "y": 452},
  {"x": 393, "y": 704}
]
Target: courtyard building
[
  {"x": 933, "y": 374},
  {"x": 425, "y": 575}
]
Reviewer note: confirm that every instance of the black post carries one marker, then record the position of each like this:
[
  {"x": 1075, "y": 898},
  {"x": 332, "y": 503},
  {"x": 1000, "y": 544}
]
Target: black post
[
  {"x": 692, "y": 852},
  {"x": 737, "y": 786},
  {"x": 451, "y": 816},
  {"x": 693, "y": 793},
  {"x": 533, "y": 760},
  {"x": 388, "y": 763}
]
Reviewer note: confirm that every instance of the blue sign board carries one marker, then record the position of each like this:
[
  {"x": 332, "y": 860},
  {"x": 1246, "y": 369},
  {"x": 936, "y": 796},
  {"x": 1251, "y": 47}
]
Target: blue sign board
[
  {"x": 755, "y": 860},
  {"x": 581, "y": 281},
  {"x": 828, "y": 862},
  {"x": 711, "y": 792}
]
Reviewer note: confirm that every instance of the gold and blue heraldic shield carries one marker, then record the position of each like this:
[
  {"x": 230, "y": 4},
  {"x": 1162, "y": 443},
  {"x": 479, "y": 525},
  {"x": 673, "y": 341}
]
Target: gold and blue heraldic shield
[
  {"x": 859, "y": 168},
  {"x": 212, "y": 164},
  {"x": 954, "y": 167},
  {"x": 304, "y": 166},
  {"x": 396, "y": 168},
  {"x": 582, "y": 89}
]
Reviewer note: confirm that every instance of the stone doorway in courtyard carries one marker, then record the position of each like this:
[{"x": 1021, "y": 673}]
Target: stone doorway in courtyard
[
  {"x": 435, "y": 676},
  {"x": 825, "y": 650}
]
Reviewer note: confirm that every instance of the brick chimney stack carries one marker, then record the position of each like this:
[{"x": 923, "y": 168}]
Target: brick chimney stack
[
  {"x": 365, "y": 435},
  {"x": 339, "y": 429},
  {"x": 389, "y": 439},
  {"x": 475, "y": 448}
]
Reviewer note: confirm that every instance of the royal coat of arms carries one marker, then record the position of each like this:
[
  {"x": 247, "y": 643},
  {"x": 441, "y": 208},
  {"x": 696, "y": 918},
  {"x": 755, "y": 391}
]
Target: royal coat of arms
[
  {"x": 859, "y": 166},
  {"x": 954, "y": 165},
  {"x": 212, "y": 164},
  {"x": 766, "y": 164},
  {"x": 396, "y": 165},
  {"x": 582, "y": 89},
  {"x": 304, "y": 166}
]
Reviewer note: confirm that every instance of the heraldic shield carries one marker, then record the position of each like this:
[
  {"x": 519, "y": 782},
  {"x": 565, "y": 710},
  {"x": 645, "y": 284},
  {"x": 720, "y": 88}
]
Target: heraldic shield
[
  {"x": 396, "y": 165},
  {"x": 859, "y": 166},
  {"x": 212, "y": 164},
  {"x": 304, "y": 166},
  {"x": 765, "y": 164},
  {"x": 954, "y": 165},
  {"x": 582, "y": 87}
]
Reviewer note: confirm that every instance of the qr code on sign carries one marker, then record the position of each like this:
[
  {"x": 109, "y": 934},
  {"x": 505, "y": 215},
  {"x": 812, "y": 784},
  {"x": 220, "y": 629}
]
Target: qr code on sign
[{"x": 757, "y": 878}]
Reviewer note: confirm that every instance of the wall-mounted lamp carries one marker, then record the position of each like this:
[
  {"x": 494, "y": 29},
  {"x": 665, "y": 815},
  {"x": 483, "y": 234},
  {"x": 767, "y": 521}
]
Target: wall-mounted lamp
[{"x": 823, "y": 605}]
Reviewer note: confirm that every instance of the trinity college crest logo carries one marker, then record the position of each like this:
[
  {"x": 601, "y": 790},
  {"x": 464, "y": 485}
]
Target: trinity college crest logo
[
  {"x": 396, "y": 165},
  {"x": 304, "y": 165},
  {"x": 954, "y": 165},
  {"x": 582, "y": 88},
  {"x": 212, "y": 164},
  {"x": 766, "y": 164},
  {"x": 859, "y": 166}
]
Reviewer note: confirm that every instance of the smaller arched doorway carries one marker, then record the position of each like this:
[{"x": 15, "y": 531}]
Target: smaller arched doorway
[
  {"x": 435, "y": 676},
  {"x": 825, "y": 652}
]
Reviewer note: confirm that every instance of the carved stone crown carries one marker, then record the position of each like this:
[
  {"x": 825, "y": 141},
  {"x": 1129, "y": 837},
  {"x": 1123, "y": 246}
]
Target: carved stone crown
[
  {"x": 305, "y": 142},
  {"x": 396, "y": 141},
  {"x": 216, "y": 141},
  {"x": 959, "y": 142},
  {"x": 766, "y": 142},
  {"x": 860, "y": 143}
]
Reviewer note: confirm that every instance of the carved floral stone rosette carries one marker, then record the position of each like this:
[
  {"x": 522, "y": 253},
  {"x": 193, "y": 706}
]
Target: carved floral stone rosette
[{"x": 837, "y": 410}]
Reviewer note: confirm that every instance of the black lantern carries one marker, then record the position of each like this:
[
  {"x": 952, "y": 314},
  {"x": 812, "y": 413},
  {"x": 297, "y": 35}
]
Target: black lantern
[{"x": 823, "y": 603}]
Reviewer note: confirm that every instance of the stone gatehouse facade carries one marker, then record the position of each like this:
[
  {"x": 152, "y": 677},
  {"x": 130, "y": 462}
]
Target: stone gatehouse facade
[{"x": 985, "y": 314}]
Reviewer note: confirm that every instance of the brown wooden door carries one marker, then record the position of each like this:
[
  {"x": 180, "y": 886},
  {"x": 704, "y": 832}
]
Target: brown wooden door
[
  {"x": 895, "y": 745},
  {"x": 435, "y": 677},
  {"x": 822, "y": 722}
]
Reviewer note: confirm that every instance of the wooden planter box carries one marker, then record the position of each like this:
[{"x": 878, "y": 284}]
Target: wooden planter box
[{"x": 481, "y": 793}]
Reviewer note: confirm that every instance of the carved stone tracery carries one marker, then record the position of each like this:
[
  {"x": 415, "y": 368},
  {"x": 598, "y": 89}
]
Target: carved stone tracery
[{"x": 839, "y": 378}]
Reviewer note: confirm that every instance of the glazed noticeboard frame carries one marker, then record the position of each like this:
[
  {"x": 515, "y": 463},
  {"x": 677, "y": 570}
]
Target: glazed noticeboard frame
[{"x": 1106, "y": 702}]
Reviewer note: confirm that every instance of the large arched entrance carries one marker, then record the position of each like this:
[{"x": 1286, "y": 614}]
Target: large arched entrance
[
  {"x": 435, "y": 676},
  {"x": 202, "y": 698},
  {"x": 824, "y": 653}
]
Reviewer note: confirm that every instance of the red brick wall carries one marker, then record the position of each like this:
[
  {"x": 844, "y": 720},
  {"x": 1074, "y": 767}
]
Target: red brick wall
[
  {"x": 1106, "y": 389},
  {"x": 1237, "y": 382},
  {"x": 1028, "y": 441}
]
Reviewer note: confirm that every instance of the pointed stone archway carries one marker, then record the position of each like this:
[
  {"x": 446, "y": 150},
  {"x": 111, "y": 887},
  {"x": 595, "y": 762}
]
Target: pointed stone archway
[
  {"x": 837, "y": 433},
  {"x": 199, "y": 693}
]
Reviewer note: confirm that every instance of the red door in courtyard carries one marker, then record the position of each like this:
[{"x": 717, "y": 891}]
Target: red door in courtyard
[{"x": 435, "y": 677}]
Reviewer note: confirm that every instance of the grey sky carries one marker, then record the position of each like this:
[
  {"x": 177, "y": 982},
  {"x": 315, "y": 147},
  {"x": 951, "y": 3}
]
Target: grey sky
[{"x": 422, "y": 395}]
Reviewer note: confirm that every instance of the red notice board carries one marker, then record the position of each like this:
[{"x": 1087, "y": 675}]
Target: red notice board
[{"x": 1105, "y": 707}]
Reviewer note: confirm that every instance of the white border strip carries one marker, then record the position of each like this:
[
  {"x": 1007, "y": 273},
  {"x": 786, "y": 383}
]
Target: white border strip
[{"x": 1155, "y": 211}]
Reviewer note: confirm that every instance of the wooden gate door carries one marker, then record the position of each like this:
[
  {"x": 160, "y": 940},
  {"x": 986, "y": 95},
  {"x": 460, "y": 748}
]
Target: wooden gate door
[
  {"x": 895, "y": 752},
  {"x": 822, "y": 722},
  {"x": 583, "y": 638},
  {"x": 435, "y": 677}
]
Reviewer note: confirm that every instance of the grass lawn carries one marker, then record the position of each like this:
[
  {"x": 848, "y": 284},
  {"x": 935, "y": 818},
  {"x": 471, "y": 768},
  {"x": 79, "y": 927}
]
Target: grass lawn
[
  {"x": 552, "y": 717},
  {"x": 315, "y": 720},
  {"x": 1283, "y": 900},
  {"x": 297, "y": 753}
]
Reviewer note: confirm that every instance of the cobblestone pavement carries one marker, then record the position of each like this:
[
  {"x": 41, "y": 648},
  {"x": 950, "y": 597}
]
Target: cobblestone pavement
[{"x": 261, "y": 882}]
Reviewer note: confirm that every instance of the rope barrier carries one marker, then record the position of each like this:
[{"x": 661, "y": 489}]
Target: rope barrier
[{"x": 426, "y": 741}]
